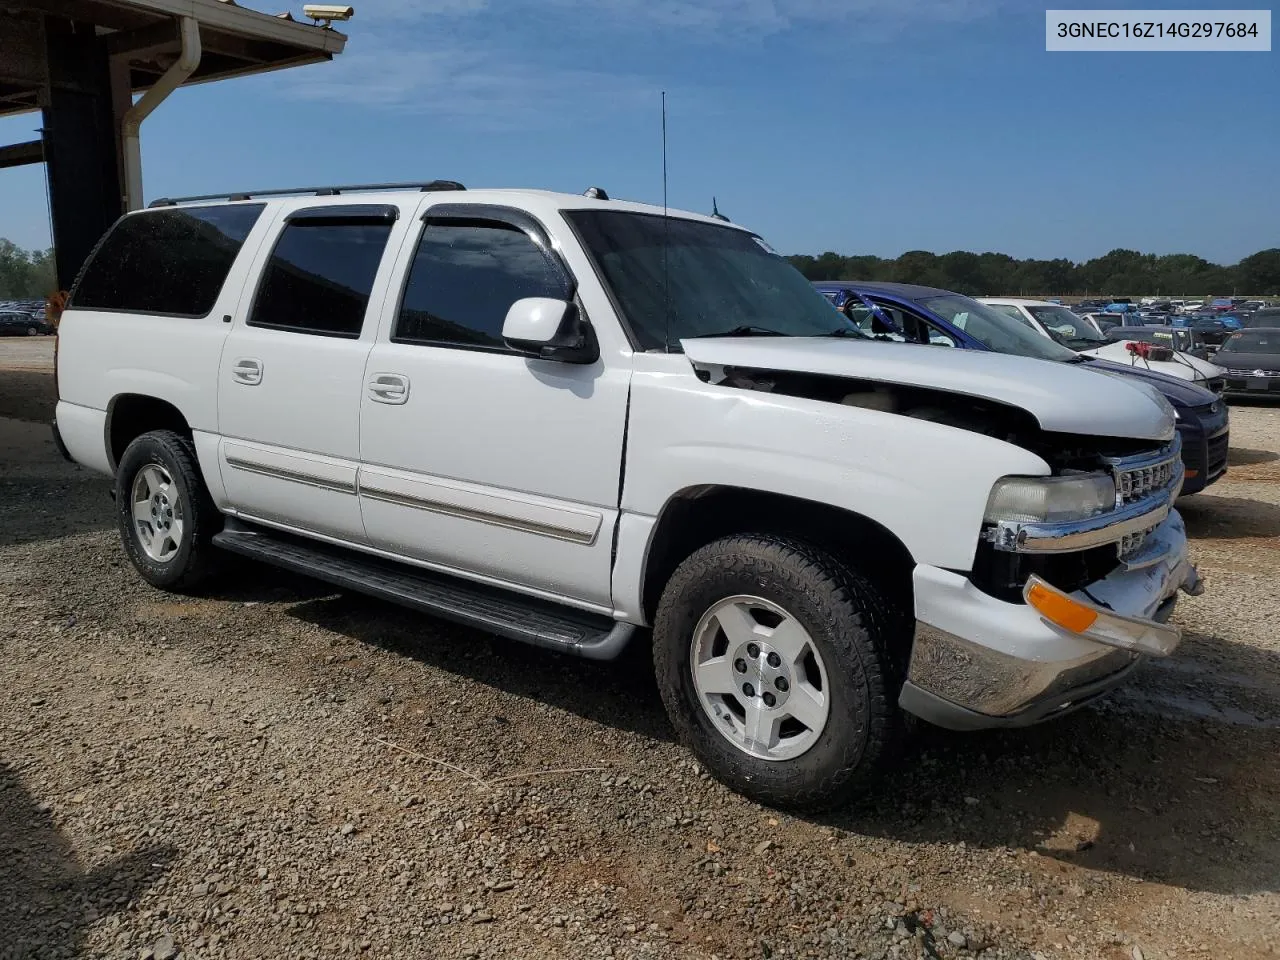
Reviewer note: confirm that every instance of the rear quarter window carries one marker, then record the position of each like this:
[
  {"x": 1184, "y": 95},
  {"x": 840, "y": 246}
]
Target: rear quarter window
[{"x": 167, "y": 261}]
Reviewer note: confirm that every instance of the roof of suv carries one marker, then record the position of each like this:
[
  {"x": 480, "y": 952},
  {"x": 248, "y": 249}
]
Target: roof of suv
[{"x": 545, "y": 200}]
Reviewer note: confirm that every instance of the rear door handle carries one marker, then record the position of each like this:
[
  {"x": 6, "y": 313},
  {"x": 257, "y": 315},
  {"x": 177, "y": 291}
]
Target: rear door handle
[
  {"x": 389, "y": 388},
  {"x": 247, "y": 370}
]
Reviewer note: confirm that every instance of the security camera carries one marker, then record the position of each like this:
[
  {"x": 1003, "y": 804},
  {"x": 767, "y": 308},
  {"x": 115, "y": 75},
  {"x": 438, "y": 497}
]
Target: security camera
[{"x": 327, "y": 13}]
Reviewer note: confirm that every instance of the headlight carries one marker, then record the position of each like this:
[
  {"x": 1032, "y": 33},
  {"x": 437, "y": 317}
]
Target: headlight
[{"x": 1051, "y": 499}]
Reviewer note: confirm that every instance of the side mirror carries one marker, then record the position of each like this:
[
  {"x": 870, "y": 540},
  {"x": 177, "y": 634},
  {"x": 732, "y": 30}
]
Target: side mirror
[{"x": 550, "y": 330}]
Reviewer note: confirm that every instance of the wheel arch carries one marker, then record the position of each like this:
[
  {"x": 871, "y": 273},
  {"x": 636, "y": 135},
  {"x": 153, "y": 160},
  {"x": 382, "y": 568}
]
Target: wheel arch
[
  {"x": 129, "y": 415},
  {"x": 696, "y": 516}
]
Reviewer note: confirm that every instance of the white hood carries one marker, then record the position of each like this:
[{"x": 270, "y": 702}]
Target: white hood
[
  {"x": 1063, "y": 397},
  {"x": 1184, "y": 366}
]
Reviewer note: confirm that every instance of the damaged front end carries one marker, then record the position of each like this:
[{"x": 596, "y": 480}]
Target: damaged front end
[{"x": 1054, "y": 614}]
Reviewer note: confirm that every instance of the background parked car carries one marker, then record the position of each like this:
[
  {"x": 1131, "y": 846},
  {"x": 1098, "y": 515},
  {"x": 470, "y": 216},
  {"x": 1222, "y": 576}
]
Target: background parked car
[
  {"x": 14, "y": 323},
  {"x": 928, "y": 315},
  {"x": 1181, "y": 339},
  {"x": 1252, "y": 361},
  {"x": 1064, "y": 327},
  {"x": 1265, "y": 317}
]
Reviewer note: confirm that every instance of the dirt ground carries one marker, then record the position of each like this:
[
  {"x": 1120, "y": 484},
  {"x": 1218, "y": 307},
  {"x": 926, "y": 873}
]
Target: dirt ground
[{"x": 276, "y": 770}]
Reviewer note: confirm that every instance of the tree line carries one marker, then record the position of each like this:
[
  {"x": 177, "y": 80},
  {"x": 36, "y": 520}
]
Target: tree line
[
  {"x": 29, "y": 273},
  {"x": 1118, "y": 273},
  {"x": 25, "y": 274}
]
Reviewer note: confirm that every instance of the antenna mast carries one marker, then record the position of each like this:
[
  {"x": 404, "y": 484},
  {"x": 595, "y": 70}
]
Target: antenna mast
[{"x": 666, "y": 234}]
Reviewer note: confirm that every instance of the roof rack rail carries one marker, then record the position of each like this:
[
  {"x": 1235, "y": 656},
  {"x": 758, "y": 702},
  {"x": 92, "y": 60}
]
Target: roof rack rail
[{"x": 333, "y": 191}]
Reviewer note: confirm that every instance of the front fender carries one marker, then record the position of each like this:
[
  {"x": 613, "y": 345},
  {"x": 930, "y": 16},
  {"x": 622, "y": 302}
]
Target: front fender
[{"x": 925, "y": 482}]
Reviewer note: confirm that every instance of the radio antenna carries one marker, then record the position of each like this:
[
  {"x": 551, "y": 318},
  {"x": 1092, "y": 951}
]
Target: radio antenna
[{"x": 666, "y": 235}]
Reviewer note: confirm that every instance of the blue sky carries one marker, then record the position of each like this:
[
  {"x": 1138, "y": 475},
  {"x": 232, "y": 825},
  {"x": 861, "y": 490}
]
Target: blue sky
[{"x": 861, "y": 126}]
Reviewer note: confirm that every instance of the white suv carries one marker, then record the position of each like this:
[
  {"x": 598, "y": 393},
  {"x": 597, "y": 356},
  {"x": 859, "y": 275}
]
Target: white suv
[{"x": 565, "y": 418}]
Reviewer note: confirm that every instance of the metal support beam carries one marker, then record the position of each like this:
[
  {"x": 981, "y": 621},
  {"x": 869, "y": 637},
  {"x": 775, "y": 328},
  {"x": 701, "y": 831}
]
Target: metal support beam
[
  {"x": 140, "y": 44},
  {"x": 81, "y": 145},
  {"x": 21, "y": 154}
]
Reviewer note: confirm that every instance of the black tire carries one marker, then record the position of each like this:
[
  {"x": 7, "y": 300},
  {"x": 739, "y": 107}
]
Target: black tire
[
  {"x": 32, "y": 332},
  {"x": 850, "y": 623},
  {"x": 193, "y": 562}
]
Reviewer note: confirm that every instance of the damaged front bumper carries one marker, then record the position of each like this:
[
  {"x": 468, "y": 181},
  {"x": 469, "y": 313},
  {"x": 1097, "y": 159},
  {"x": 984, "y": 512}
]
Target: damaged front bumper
[{"x": 979, "y": 662}]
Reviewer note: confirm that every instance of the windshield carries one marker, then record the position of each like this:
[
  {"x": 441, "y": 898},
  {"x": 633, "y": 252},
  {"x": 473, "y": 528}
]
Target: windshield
[
  {"x": 999, "y": 332},
  {"x": 717, "y": 281},
  {"x": 1253, "y": 341},
  {"x": 1067, "y": 328}
]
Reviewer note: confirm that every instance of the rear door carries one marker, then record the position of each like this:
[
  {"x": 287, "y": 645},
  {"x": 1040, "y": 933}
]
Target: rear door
[{"x": 293, "y": 366}]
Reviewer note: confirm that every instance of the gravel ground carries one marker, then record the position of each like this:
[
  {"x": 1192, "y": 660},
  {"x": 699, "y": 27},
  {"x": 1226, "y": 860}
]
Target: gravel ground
[{"x": 276, "y": 770}]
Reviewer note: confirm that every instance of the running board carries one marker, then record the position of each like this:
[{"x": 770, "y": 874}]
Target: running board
[{"x": 539, "y": 622}]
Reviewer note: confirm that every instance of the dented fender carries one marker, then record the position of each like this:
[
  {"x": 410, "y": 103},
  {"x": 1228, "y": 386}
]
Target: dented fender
[{"x": 925, "y": 482}]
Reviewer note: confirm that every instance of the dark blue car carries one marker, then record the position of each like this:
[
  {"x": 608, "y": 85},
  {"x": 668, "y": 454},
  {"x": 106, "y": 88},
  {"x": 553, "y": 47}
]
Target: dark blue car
[{"x": 928, "y": 315}]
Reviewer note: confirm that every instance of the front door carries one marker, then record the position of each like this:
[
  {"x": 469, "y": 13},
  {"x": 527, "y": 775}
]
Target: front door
[
  {"x": 292, "y": 372},
  {"x": 475, "y": 459}
]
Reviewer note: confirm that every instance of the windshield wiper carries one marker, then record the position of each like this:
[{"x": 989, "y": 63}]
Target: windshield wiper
[
  {"x": 852, "y": 333},
  {"x": 745, "y": 330}
]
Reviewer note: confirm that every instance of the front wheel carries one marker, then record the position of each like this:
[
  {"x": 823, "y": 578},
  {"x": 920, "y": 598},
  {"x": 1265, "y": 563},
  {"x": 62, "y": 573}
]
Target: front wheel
[
  {"x": 166, "y": 516},
  {"x": 774, "y": 662}
]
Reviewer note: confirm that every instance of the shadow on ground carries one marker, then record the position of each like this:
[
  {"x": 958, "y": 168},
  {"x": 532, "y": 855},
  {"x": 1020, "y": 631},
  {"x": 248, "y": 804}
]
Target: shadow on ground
[
  {"x": 1244, "y": 457},
  {"x": 47, "y": 898},
  {"x": 621, "y": 694},
  {"x": 1229, "y": 518},
  {"x": 1170, "y": 797},
  {"x": 27, "y": 395}
]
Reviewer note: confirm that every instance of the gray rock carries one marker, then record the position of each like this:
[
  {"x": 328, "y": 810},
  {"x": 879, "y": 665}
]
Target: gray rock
[
  {"x": 957, "y": 939},
  {"x": 164, "y": 948}
]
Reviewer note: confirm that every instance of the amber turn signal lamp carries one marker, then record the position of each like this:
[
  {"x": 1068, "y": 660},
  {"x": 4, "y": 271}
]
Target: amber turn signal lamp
[{"x": 1061, "y": 609}]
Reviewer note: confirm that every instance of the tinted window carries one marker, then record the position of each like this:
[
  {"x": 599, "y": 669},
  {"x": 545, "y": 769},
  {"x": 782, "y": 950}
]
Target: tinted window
[
  {"x": 169, "y": 261},
  {"x": 1264, "y": 318},
  {"x": 319, "y": 277},
  {"x": 465, "y": 276},
  {"x": 998, "y": 331},
  {"x": 1012, "y": 311},
  {"x": 1252, "y": 341},
  {"x": 1066, "y": 327}
]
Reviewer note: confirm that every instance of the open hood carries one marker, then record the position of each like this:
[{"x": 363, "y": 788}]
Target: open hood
[{"x": 1063, "y": 397}]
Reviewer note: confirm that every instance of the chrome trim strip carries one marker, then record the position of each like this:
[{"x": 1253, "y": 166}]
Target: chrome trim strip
[
  {"x": 1014, "y": 537},
  {"x": 280, "y": 473},
  {"x": 480, "y": 516},
  {"x": 1170, "y": 451}
]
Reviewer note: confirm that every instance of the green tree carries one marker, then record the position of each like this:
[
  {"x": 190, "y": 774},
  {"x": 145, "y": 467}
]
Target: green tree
[
  {"x": 1260, "y": 273},
  {"x": 25, "y": 274}
]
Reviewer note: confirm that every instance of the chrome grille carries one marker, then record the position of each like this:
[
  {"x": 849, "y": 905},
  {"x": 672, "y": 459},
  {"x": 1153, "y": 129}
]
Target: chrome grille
[
  {"x": 1131, "y": 543},
  {"x": 1241, "y": 372},
  {"x": 1146, "y": 475},
  {"x": 1144, "y": 481}
]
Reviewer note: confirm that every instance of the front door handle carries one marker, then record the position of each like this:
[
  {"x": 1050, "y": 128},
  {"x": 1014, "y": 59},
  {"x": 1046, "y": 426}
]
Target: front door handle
[
  {"x": 389, "y": 388},
  {"x": 247, "y": 370}
]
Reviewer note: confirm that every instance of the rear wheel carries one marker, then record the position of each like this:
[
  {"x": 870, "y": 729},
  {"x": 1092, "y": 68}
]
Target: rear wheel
[
  {"x": 32, "y": 332},
  {"x": 773, "y": 662},
  {"x": 165, "y": 514}
]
